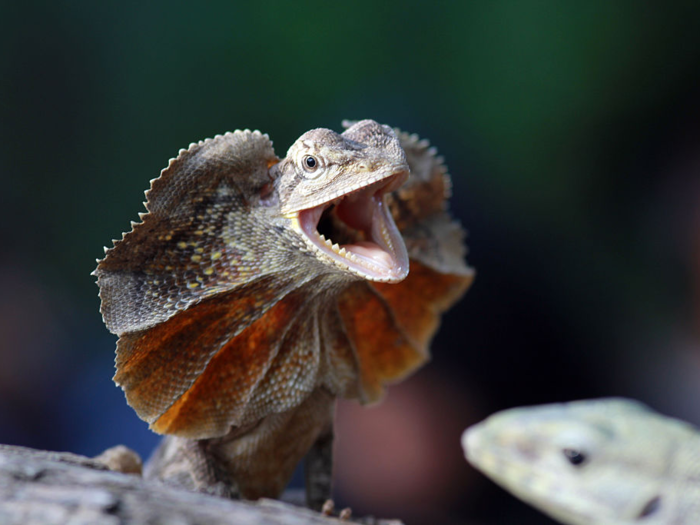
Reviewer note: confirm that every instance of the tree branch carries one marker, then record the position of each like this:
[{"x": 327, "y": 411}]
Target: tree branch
[{"x": 47, "y": 488}]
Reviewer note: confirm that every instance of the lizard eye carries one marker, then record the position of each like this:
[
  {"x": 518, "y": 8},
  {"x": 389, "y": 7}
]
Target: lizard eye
[
  {"x": 310, "y": 163},
  {"x": 575, "y": 457}
]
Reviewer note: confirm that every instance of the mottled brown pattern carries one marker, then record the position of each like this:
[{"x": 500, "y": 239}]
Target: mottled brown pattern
[
  {"x": 220, "y": 395},
  {"x": 384, "y": 352},
  {"x": 427, "y": 190},
  {"x": 418, "y": 302},
  {"x": 156, "y": 366},
  {"x": 189, "y": 244},
  {"x": 339, "y": 360}
]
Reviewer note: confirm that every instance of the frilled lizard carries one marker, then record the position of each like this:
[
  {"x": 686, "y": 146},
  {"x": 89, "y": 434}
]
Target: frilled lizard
[
  {"x": 257, "y": 290},
  {"x": 599, "y": 461}
]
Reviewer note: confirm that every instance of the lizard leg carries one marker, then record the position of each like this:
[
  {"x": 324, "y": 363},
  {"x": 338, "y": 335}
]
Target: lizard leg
[
  {"x": 255, "y": 460},
  {"x": 190, "y": 464},
  {"x": 318, "y": 469},
  {"x": 207, "y": 472}
]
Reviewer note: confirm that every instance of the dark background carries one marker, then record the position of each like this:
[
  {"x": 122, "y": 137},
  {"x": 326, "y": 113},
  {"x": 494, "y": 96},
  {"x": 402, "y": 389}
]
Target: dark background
[{"x": 572, "y": 133}]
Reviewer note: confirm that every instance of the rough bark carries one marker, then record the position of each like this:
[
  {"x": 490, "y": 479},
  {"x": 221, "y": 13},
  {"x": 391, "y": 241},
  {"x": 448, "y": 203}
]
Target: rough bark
[{"x": 47, "y": 488}]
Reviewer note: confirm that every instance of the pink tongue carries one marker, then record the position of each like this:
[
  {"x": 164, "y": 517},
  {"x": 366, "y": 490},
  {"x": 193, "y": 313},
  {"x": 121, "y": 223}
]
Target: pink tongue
[{"x": 371, "y": 252}]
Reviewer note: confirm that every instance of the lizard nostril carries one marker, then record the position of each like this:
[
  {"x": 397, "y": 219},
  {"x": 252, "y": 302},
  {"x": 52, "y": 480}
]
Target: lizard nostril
[
  {"x": 651, "y": 507},
  {"x": 527, "y": 450}
]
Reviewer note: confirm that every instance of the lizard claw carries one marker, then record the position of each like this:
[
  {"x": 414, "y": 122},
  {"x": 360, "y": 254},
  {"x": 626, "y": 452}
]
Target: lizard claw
[{"x": 329, "y": 507}]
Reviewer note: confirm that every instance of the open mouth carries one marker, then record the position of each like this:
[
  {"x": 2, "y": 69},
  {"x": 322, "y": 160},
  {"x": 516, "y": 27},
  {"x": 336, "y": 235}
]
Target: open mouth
[{"x": 358, "y": 232}]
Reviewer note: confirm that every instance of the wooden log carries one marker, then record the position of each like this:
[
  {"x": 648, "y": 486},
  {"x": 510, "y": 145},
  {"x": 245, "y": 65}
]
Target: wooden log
[{"x": 52, "y": 488}]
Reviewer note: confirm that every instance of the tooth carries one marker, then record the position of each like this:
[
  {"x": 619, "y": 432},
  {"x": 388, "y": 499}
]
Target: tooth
[
  {"x": 328, "y": 242},
  {"x": 342, "y": 251},
  {"x": 335, "y": 248},
  {"x": 321, "y": 236}
]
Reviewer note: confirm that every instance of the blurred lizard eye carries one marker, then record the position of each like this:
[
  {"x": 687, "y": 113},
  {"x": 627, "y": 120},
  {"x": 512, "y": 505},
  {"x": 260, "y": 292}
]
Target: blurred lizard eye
[{"x": 574, "y": 456}]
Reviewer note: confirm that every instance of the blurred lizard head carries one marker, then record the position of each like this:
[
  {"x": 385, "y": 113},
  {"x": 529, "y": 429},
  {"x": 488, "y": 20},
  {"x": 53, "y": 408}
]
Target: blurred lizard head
[{"x": 599, "y": 461}]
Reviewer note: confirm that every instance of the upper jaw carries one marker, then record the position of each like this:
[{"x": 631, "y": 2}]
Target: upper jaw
[
  {"x": 377, "y": 251},
  {"x": 345, "y": 184}
]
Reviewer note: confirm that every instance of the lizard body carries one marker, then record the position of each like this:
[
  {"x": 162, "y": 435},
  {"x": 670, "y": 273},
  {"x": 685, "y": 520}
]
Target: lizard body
[
  {"x": 257, "y": 290},
  {"x": 603, "y": 461}
]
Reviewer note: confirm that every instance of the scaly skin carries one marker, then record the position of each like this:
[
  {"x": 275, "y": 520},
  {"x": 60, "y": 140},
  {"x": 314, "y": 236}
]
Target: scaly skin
[
  {"x": 603, "y": 461},
  {"x": 257, "y": 290}
]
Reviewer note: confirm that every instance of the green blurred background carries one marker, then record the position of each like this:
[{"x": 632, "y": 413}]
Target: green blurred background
[{"x": 572, "y": 132}]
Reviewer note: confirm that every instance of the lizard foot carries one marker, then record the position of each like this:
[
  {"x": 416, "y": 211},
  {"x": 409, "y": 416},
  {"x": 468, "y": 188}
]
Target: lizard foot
[{"x": 121, "y": 459}]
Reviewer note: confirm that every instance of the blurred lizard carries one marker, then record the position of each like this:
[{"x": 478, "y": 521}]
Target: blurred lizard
[
  {"x": 257, "y": 290},
  {"x": 603, "y": 461}
]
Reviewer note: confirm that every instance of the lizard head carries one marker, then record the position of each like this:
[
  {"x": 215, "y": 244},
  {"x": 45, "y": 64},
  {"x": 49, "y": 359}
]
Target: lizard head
[
  {"x": 594, "y": 461},
  {"x": 333, "y": 187}
]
